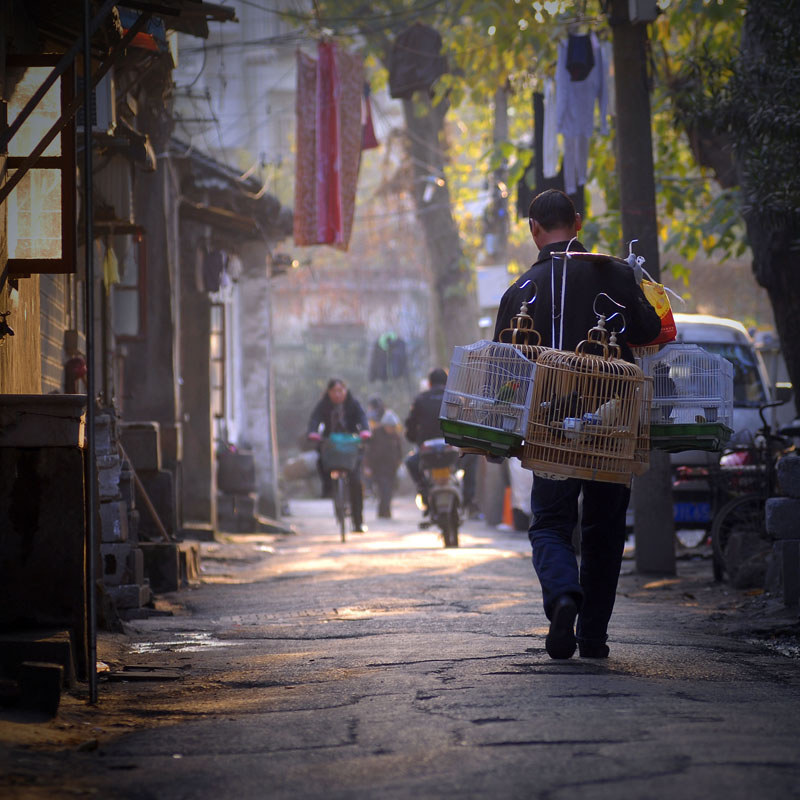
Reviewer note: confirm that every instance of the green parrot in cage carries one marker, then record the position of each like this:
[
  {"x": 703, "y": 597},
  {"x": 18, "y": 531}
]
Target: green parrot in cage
[{"x": 507, "y": 392}]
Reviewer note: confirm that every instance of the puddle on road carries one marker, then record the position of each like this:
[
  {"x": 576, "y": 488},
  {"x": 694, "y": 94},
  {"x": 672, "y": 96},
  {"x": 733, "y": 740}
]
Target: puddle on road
[{"x": 194, "y": 642}]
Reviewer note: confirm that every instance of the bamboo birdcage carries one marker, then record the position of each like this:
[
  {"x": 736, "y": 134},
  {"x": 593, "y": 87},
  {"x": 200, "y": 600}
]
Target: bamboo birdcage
[
  {"x": 585, "y": 413},
  {"x": 523, "y": 335},
  {"x": 487, "y": 398},
  {"x": 692, "y": 406}
]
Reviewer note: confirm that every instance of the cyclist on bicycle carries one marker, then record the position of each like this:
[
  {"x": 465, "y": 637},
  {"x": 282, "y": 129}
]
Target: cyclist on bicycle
[{"x": 339, "y": 412}]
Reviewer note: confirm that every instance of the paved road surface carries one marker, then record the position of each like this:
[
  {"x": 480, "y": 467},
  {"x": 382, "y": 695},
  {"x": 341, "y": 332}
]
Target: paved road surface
[{"x": 388, "y": 667}]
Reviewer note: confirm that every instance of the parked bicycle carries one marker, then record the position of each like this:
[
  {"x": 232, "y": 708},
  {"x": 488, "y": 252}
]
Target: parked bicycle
[
  {"x": 340, "y": 453},
  {"x": 745, "y": 479}
]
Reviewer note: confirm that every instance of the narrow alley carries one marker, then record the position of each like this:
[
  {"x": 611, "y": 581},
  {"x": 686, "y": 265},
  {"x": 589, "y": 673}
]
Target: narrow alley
[{"x": 388, "y": 666}]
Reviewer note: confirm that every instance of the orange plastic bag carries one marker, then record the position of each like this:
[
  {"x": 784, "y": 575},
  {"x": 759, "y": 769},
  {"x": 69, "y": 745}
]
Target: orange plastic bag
[{"x": 657, "y": 297}]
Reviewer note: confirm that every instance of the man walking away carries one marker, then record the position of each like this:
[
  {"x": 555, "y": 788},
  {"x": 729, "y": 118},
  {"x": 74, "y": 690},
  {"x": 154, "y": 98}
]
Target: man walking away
[{"x": 568, "y": 592}]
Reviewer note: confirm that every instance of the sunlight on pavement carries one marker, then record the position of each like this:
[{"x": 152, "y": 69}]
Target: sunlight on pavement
[{"x": 194, "y": 642}]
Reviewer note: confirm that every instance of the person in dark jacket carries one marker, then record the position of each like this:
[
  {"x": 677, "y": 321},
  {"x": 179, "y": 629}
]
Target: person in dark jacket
[
  {"x": 422, "y": 424},
  {"x": 339, "y": 412},
  {"x": 568, "y": 593}
]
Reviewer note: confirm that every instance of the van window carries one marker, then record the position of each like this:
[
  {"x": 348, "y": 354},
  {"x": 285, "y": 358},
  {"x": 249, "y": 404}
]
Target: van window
[{"x": 748, "y": 390}]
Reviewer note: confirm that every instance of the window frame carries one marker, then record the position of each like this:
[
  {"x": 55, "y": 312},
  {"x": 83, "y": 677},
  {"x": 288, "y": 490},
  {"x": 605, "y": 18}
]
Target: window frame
[
  {"x": 219, "y": 408},
  {"x": 140, "y": 243},
  {"x": 66, "y": 163}
]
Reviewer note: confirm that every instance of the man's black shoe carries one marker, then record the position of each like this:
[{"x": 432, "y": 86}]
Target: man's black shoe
[
  {"x": 560, "y": 641},
  {"x": 590, "y": 650}
]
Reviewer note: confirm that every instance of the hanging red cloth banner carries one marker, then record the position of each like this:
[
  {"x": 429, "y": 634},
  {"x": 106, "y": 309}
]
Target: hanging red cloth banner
[
  {"x": 329, "y": 133},
  {"x": 329, "y": 187}
]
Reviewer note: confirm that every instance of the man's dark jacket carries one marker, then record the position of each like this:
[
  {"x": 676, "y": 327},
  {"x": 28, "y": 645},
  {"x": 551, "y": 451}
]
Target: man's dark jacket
[
  {"x": 423, "y": 420},
  {"x": 585, "y": 281}
]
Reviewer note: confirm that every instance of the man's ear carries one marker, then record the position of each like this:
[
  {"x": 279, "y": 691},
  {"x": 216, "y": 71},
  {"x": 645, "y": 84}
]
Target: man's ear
[
  {"x": 536, "y": 228},
  {"x": 578, "y": 222}
]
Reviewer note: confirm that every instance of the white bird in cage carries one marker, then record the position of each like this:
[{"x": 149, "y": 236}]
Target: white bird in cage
[{"x": 608, "y": 412}]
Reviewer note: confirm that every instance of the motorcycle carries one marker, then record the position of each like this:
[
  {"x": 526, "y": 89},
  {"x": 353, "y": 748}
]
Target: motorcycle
[{"x": 439, "y": 464}]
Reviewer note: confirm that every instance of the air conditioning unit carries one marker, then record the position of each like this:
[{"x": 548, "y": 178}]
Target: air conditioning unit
[{"x": 103, "y": 110}]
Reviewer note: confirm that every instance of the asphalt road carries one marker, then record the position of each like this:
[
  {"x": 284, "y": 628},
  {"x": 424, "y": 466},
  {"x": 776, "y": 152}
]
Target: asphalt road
[{"x": 388, "y": 667}]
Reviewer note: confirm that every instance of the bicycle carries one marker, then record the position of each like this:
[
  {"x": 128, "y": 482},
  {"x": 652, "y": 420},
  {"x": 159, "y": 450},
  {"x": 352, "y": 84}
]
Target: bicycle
[
  {"x": 340, "y": 453},
  {"x": 747, "y": 475}
]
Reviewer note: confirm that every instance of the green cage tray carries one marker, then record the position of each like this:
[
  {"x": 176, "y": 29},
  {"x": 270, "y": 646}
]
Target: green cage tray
[
  {"x": 480, "y": 437},
  {"x": 709, "y": 436}
]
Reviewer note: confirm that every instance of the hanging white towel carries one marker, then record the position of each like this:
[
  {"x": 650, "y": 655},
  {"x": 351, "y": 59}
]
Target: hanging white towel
[{"x": 550, "y": 137}]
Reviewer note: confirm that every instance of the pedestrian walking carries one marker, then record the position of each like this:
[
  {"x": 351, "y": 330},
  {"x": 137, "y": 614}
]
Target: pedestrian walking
[
  {"x": 384, "y": 454},
  {"x": 568, "y": 591}
]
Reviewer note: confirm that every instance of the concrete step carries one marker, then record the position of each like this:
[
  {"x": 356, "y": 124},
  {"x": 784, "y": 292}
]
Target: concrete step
[
  {"x": 37, "y": 645},
  {"x": 199, "y": 531}
]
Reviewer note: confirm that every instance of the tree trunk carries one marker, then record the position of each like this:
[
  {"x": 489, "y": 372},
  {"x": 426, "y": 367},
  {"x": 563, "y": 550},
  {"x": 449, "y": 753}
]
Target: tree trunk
[
  {"x": 785, "y": 299},
  {"x": 773, "y": 231},
  {"x": 773, "y": 257},
  {"x": 453, "y": 279}
]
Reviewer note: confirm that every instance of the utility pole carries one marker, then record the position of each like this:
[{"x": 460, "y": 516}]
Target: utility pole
[{"x": 654, "y": 526}]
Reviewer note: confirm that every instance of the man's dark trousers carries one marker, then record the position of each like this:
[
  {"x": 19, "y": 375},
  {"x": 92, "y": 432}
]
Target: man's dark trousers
[{"x": 555, "y": 514}]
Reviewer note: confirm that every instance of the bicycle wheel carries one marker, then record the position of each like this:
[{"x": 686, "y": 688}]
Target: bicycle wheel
[
  {"x": 742, "y": 515},
  {"x": 340, "y": 504}
]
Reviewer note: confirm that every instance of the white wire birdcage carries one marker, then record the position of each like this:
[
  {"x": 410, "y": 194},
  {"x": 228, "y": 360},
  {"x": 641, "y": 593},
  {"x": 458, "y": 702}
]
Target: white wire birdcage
[
  {"x": 692, "y": 406},
  {"x": 487, "y": 397},
  {"x": 585, "y": 413}
]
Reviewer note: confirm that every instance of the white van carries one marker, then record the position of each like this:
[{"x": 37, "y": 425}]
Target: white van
[{"x": 751, "y": 388}]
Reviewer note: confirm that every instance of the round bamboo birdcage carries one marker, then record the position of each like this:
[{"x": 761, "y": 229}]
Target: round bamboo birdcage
[
  {"x": 585, "y": 413},
  {"x": 522, "y": 335}
]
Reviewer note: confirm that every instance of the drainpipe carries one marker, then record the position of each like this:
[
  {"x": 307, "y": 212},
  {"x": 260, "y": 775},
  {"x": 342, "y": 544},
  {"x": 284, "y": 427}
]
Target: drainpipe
[{"x": 91, "y": 462}]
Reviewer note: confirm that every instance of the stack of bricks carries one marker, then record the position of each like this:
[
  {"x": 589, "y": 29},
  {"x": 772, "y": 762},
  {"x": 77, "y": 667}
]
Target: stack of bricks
[
  {"x": 782, "y": 515},
  {"x": 120, "y": 556}
]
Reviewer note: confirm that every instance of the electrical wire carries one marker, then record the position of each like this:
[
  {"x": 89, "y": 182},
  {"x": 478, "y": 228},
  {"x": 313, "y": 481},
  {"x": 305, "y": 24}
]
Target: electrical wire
[
  {"x": 202, "y": 67},
  {"x": 281, "y": 39},
  {"x": 406, "y": 12}
]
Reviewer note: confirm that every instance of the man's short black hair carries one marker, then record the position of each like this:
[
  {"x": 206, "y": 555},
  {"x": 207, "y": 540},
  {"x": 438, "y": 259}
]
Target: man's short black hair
[
  {"x": 437, "y": 377},
  {"x": 552, "y": 209}
]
